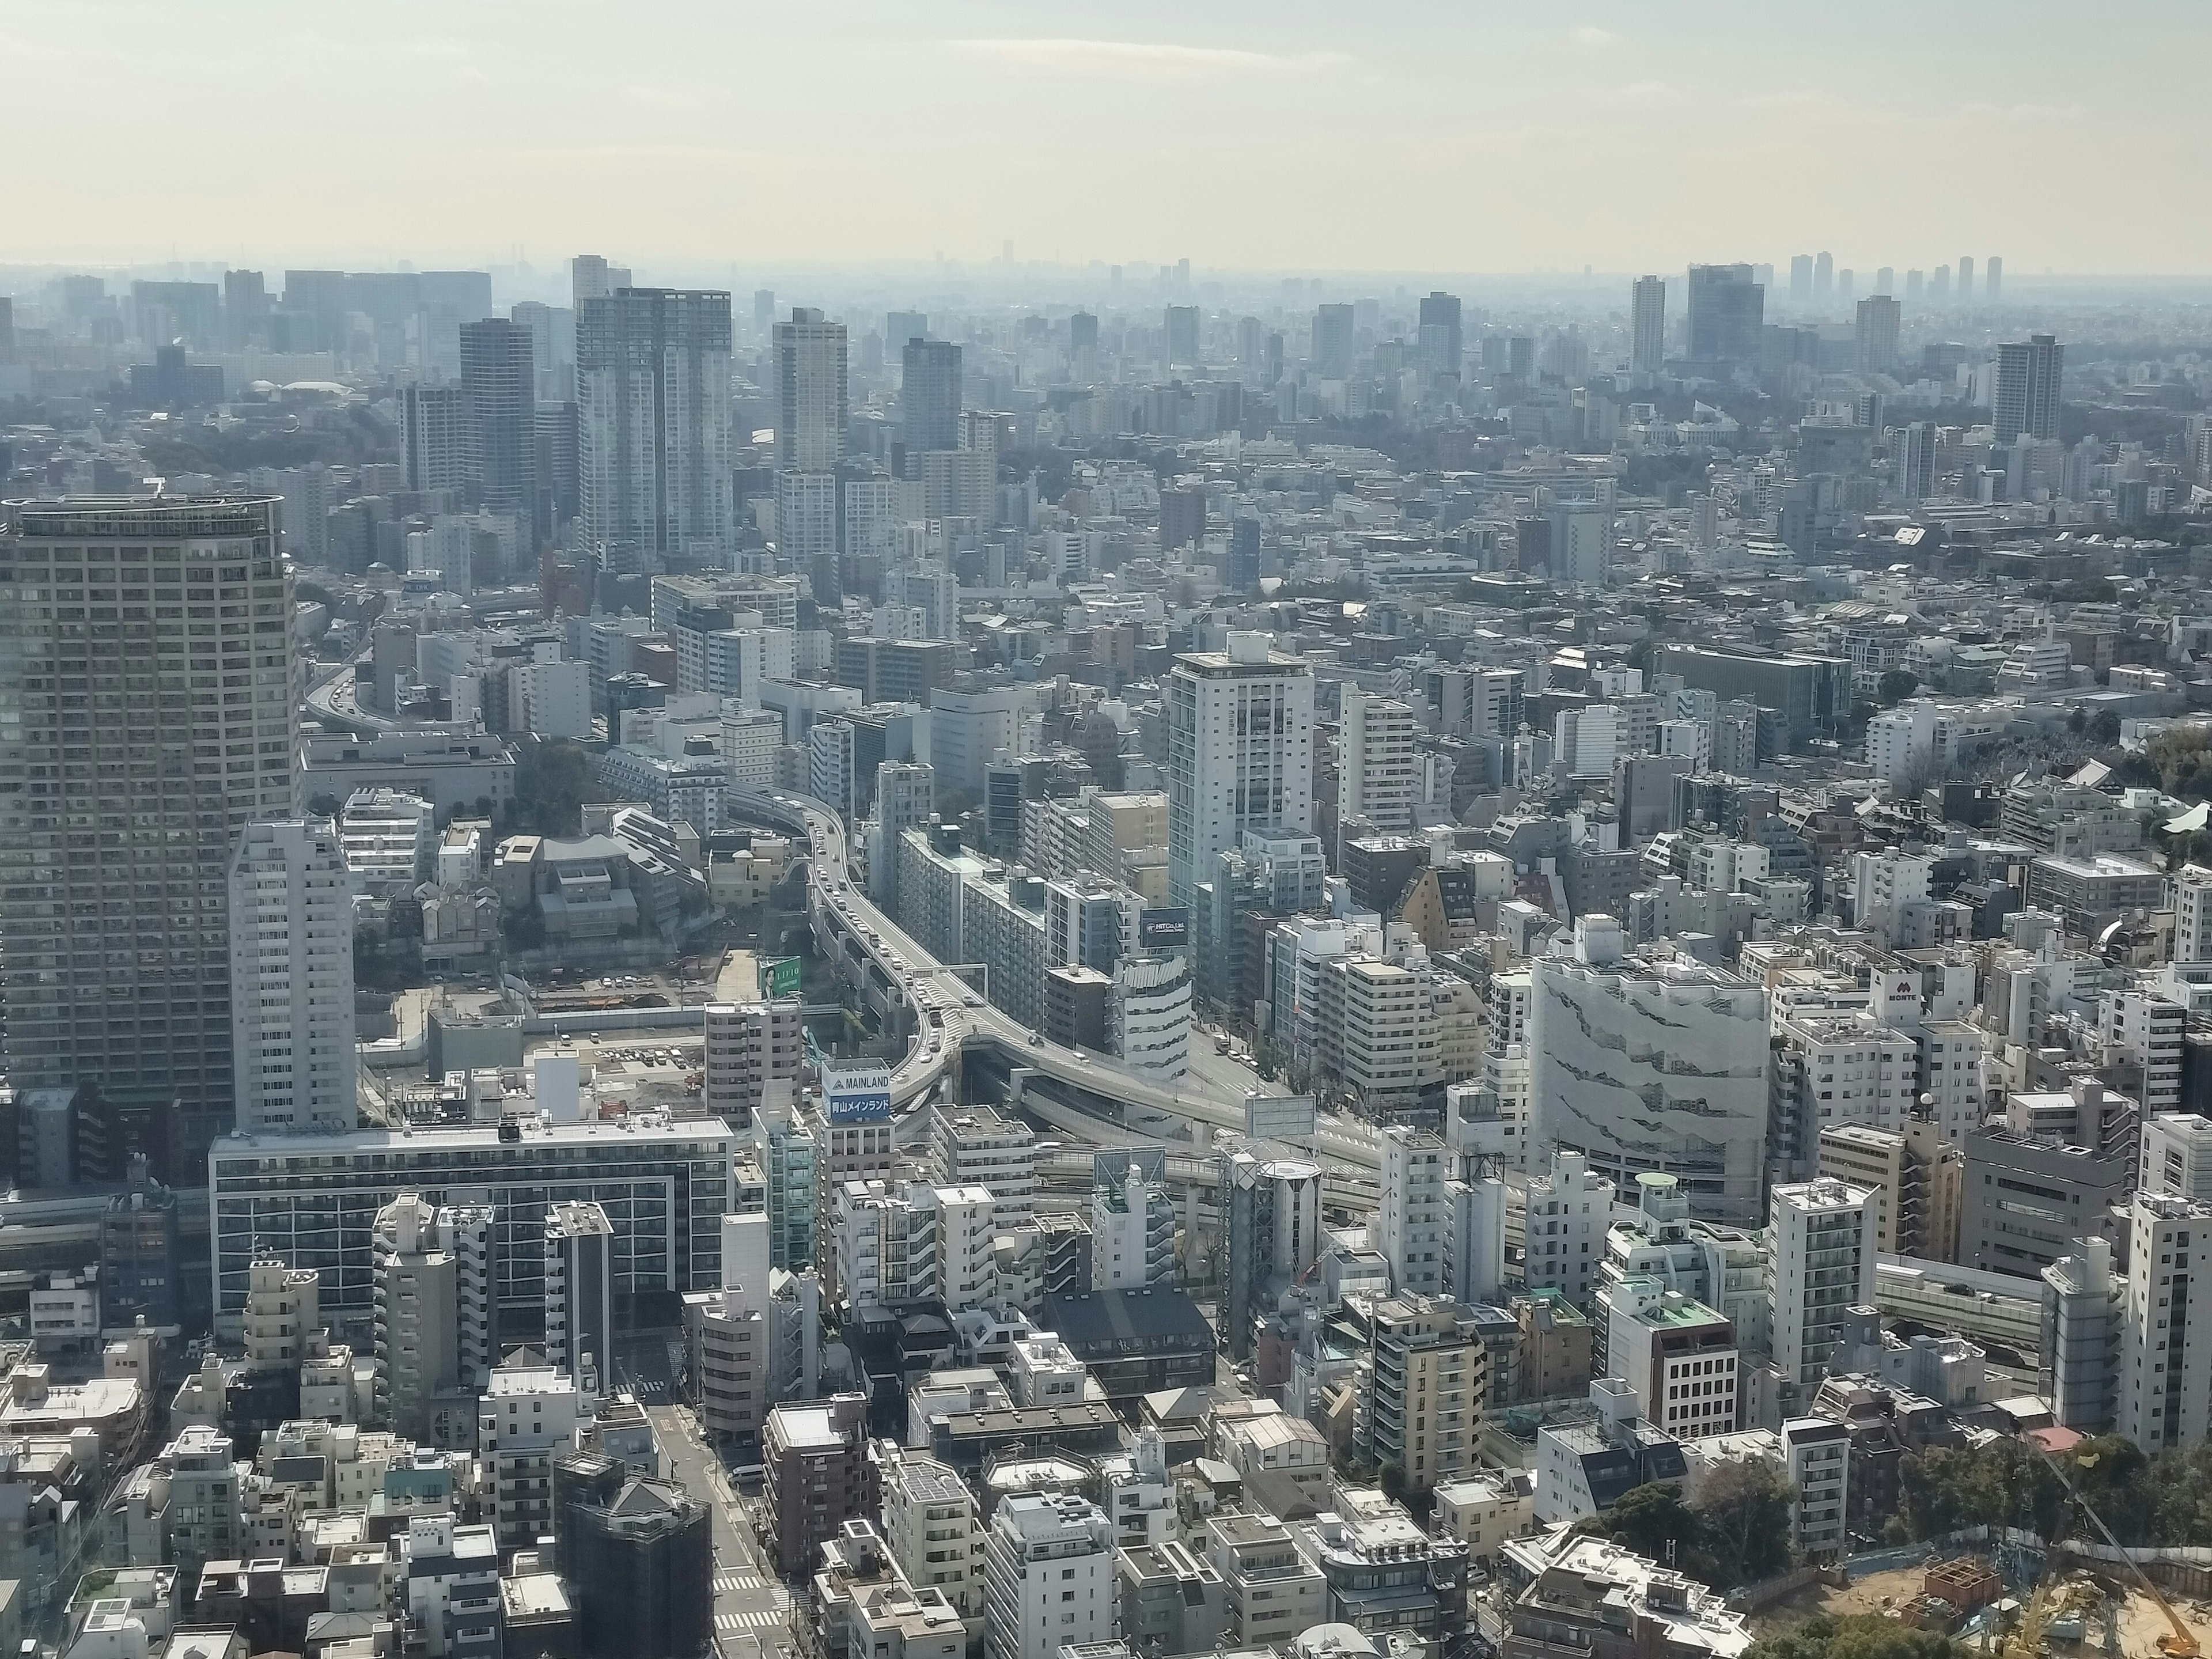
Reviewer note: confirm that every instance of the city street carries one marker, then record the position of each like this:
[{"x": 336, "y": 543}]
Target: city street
[{"x": 749, "y": 1600}]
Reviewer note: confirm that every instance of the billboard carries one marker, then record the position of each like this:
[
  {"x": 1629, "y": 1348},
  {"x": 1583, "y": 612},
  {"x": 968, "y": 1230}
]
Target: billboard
[
  {"x": 857, "y": 1091},
  {"x": 1279, "y": 1117},
  {"x": 1164, "y": 930},
  {"x": 779, "y": 977}
]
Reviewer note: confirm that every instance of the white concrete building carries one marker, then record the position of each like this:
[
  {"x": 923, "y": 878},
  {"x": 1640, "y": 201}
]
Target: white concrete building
[
  {"x": 898, "y": 1244},
  {"x": 1375, "y": 773},
  {"x": 1150, "y": 1009},
  {"x": 1915, "y": 743},
  {"x": 1048, "y": 1576},
  {"x": 528, "y": 1416},
  {"x": 1131, "y": 1222},
  {"x": 291, "y": 978},
  {"x": 1562, "y": 1228},
  {"x": 1821, "y": 1249},
  {"x": 389, "y": 838},
  {"x": 2165, "y": 1333},
  {"x": 1414, "y": 1233},
  {"x": 550, "y": 699},
  {"x": 579, "y": 1322},
  {"x": 1240, "y": 734}
]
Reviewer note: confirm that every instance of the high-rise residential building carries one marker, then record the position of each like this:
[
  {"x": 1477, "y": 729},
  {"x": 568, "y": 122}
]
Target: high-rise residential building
[
  {"x": 1965, "y": 278},
  {"x": 2166, "y": 1333},
  {"x": 1647, "y": 350},
  {"x": 974, "y": 1146},
  {"x": 1800, "y": 278},
  {"x": 1243, "y": 572},
  {"x": 811, "y": 407},
  {"x": 529, "y": 1414},
  {"x": 1181, "y": 334},
  {"x": 579, "y": 1322},
  {"x": 434, "y": 444},
  {"x": 652, "y": 410},
  {"x": 906, "y": 799},
  {"x": 748, "y": 1046},
  {"x": 1440, "y": 342},
  {"x": 1824, "y": 274},
  {"x": 818, "y": 1475},
  {"x": 1993, "y": 279},
  {"x": 124, "y": 796},
  {"x": 1333, "y": 341},
  {"x": 591, "y": 277},
  {"x": 1132, "y": 1221},
  {"x": 2025, "y": 398},
  {"x": 1374, "y": 769},
  {"x": 1885, "y": 280},
  {"x": 499, "y": 395},
  {"x": 418, "y": 1324},
  {"x": 1821, "y": 1248},
  {"x": 1564, "y": 1233},
  {"x": 1726, "y": 308},
  {"x": 291, "y": 978},
  {"x": 1240, "y": 752},
  {"x": 1413, "y": 1236},
  {"x": 929, "y": 397},
  {"x": 1651, "y": 1065},
  {"x": 1876, "y": 336},
  {"x": 1912, "y": 460},
  {"x": 1430, "y": 1380},
  {"x": 1048, "y": 1575}
]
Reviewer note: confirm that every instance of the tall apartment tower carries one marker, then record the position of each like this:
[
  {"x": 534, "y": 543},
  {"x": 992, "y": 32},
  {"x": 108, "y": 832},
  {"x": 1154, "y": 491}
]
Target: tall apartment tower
[
  {"x": 146, "y": 665},
  {"x": 1876, "y": 334},
  {"x": 1333, "y": 342},
  {"x": 1413, "y": 1217},
  {"x": 499, "y": 392},
  {"x": 1132, "y": 1222},
  {"x": 291, "y": 978},
  {"x": 748, "y": 1046},
  {"x": 1726, "y": 308},
  {"x": 1647, "y": 350},
  {"x": 1375, "y": 763},
  {"x": 1240, "y": 753},
  {"x": 653, "y": 411},
  {"x": 929, "y": 397},
  {"x": 1822, "y": 1243},
  {"x": 418, "y": 1319},
  {"x": 580, "y": 1319},
  {"x": 2166, "y": 1339},
  {"x": 1912, "y": 460},
  {"x": 1441, "y": 344},
  {"x": 2026, "y": 401},
  {"x": 1048, "y": 1575},
  {"x": 810, "y": 393},
  {"x": 591, "y": 277},
  {"x": 433, "y": 445}
]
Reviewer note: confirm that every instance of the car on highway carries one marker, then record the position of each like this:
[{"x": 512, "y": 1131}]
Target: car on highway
[{"x": 1037, "y": 1039}]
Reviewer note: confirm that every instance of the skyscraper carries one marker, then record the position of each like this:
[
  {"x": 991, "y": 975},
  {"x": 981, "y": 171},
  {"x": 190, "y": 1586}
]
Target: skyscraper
[
  {"x": 1885, "y": 280},
  {"x": 135, "y": 751},
  {"x": 653, "y": 385},
  {"x": 499, "y": 390},
  {"x": 591, "y": 277},
  {"x": 1332, "y": 342},
  {"x": 1648, "y": 315},
  {"x": 1965, "y": 278},
  {"x": 291, "y": 978},
  {"x": 1912, "y": 460},
  {"x": 1182, "y": 334},
  {"x": 1240, "y": 752},
  {"x": 1824, "y": 275},
  {"x": 1800, "y": 279},
  {"x": 1375, "y": 763},
  {"x": 2026, "y": 396},
  {"x": 1244, "y": 554},
  {"x": 810, "y": 393},
  {"x": 929, "y": 396},
  {"x": 433, "y": 437},
  {"x": 1441, "y": 344},
  {"x": 1726, "y": 309},
  {"x": 1877, "y": 323},
  {"x": 1993, "y": 279}
]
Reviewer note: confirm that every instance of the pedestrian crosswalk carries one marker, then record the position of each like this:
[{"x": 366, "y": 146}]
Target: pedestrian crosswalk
[
  {"x": 739, "y": 1581},
  {"x": 766, "y": 1619}
]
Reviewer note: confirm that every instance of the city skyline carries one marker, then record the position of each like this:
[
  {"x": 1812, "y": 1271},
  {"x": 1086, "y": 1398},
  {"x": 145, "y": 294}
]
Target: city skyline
[{"x": 1470, "y": 140}]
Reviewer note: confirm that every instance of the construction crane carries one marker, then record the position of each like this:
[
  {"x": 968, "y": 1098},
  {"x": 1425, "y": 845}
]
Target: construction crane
[{"x": 2182, "y": 1644}]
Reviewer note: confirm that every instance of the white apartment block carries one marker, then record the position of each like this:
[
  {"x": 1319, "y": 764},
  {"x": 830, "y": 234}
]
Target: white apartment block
[
  {"x": 901, "y": 1243},
  {"x": 974, "y": 1146},
  {"x": 1240, "y": 731},
  {"x": 1150, "y": 1015},
  {"x": 2165, "y": 1333},
  {"x": 1821, "y": 1247},
  {"x": 550, "y": 699},
  {"x": 1414, "y": 1218},
  {"x": 1915, "y": 742},
  {"x": 1375, "y": 763},
  {"x": 291, "y": 978},
  {"x": 2192, "y": 914},
  {"x": 2142, "y": 1029},
  {"x": 749, "y": 740},
  {"x": 930, "y": 1526},
  {"x": 529, "y": 1415},
  {"x": 1562, "y": 1228},
  {"x": 2177, "y": 1156},
  {"x": 1048, "y": 1576}
]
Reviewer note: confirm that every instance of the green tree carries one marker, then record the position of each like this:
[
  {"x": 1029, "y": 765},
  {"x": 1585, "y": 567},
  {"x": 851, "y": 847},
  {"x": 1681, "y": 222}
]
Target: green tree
[
  {"x": 1743, "y": 1512},
  {"x": 1648, "y": 1518},
  {"x": 1855, "y": 1636},
  {"x": 1392, "y": 1481},
  {"x": 1897, "y": 684}
]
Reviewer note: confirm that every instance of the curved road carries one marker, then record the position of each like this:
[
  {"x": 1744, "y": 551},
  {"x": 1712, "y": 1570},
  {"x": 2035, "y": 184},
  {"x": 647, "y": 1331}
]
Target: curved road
[{"x": 950, "y": 1011}]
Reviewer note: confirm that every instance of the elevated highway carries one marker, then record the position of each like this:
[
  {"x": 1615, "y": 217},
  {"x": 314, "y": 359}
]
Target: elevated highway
[{"x": 947, "y": 1016}]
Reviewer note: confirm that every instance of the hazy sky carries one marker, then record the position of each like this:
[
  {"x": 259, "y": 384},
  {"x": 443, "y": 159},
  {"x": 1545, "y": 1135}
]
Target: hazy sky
[{"x": 1419, "y": 136}]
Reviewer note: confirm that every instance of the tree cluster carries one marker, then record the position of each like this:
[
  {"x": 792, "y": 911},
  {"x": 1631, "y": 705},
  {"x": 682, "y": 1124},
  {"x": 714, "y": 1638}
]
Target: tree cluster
[
  {"x": 1854, "y": 1636},
  {"x": 1737, "y": 1532},
  {"x": 2154, "y": 1499}
]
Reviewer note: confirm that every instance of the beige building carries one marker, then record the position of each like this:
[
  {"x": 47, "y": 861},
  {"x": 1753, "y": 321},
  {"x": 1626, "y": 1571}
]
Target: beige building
[
  {"x": 1485, "y": 1509},
  {"x": 281, "y": 1309},
  {"x": 1917, "y": 1176},
  {"x": 1272, "y": 1592}
]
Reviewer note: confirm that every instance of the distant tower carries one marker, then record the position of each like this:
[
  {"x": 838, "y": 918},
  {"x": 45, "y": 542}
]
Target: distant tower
[
  {"x": 2027, "y": 395},
  {"x": 1648, "y": 315},
  {"x": 929, "y": 397},
  {"x": 499, "y": 394},
  {"x": 1993, "y": 279},
  {"x": 1823, "y": 275},
  {"x": 1965, "y": 278}
]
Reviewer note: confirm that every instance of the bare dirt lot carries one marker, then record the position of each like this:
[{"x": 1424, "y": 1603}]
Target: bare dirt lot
[{"x": 2141, "y": 1622}]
